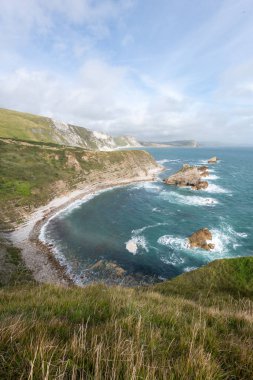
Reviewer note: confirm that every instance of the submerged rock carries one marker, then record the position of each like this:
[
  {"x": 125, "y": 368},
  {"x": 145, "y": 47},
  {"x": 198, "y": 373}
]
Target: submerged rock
[
  {"x": 213, "y": 160},
  {"x": 189, "y": 176},
  {"x": 201, "y": 239},
  {"x": 107, "y": 268}
]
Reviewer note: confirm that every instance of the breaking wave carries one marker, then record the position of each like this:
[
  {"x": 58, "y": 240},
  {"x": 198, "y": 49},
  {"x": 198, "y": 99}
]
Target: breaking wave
[
  {"x": 190, "y": 200},
  {"x": 137, "y": 244},
  {"x": 215, "y": 189}
]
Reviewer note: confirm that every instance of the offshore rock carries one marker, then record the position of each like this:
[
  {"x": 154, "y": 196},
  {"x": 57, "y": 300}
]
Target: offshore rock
[
  {"x": 213, "y": 160},
  {"x": 188, "y": 176},
  {"x": 201, "y": 239}
]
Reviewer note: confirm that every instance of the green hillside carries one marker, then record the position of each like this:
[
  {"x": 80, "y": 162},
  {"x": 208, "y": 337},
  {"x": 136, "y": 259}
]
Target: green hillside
[
  {"x": 25, "y": 126},
  {"x": 193, "y": 327},
  {"x": 31, "y": 174}
]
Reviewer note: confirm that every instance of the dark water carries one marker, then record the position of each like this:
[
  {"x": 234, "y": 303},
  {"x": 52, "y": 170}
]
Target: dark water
[{"x": 152, "y": 220}]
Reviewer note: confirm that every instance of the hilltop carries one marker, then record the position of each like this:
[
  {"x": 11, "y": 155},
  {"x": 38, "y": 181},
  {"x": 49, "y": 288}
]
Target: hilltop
[
  {"x": 197, "y": 326},
  {"x": 29, "y": 127}
]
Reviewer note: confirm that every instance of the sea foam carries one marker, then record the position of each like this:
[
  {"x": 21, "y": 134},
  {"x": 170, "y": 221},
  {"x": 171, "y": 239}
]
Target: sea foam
[
  {"x": 136, "y": 244},
  {"x": 215, "y": 189},
  {"x": 190, "y": 200}
]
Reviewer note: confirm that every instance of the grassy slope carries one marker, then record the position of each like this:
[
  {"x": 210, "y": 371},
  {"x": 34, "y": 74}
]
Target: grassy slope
[
  {"x": 24, "y": 126},
  {"x": 164, "y": 332},
  {"x": 32, "y": 174},
  {"x": 29, "y": 127}
]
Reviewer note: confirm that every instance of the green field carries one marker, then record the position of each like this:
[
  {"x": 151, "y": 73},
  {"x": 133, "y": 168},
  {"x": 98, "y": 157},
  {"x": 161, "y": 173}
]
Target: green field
[{"x": 24, "y": 126}]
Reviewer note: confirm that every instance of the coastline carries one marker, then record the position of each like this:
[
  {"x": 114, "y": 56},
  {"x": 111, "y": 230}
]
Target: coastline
[{"x": 38, "y": 256}]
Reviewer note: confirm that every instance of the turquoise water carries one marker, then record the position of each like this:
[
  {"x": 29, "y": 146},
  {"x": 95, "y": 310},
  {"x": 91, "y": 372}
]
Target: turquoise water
[{"x": 157, "y": 218}]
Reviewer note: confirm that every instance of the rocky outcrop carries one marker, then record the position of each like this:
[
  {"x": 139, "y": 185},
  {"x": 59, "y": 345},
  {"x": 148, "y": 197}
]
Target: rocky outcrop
[
  {"x": 203, "y": 171},
  {"x": 213, "y": 160},
  {"x": 107, "y": 268},
  {"x": 189, "y": 176},
  {"x": 201, "y": 239}
]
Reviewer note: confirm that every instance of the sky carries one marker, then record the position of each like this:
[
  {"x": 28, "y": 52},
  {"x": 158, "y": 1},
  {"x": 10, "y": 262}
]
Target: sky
[{"x": 159, "y": 70}]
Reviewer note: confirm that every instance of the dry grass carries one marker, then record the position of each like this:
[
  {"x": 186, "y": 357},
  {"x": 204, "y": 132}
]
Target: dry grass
[{"x": 101, "y": 332}]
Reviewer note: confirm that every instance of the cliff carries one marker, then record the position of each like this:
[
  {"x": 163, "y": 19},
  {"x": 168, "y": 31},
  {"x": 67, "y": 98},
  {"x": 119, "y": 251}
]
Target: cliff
[
  {"x": 32, "y": 174},
  {"x": 25, "y": 126}
]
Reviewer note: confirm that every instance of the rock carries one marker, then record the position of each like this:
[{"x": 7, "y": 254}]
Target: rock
[
  {"x": 201, "y": 239},
  {"x": 201, "y": 185},
  {"x": 107, "y": 268},
  {"x": 203, "y": 170},
  {"x": 213, "y": 160},
  {"x": 188, "y": 176}
]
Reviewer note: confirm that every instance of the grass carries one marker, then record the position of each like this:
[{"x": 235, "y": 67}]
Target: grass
[
  {"x": 160, "y": 332},
  {"x": 12, "y": 268},
  {"x": 33, "y": 174},
  {"x": 39, "y": 129}
]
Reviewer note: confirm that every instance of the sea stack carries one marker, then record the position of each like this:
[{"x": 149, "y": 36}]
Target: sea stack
[
  {"x": 213, "y": 160},
  {"x": 189, "y": 176},
  {"x": 201, "y": 239}
]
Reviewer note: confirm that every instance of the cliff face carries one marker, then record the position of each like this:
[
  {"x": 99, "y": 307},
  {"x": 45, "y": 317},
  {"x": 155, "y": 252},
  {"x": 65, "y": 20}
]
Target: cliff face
[
  {"x": 31, "y": 175},
  {"x": 24, "y": 126}
]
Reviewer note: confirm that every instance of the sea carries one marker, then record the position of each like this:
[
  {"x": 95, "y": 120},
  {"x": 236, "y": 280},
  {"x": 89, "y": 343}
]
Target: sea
[{"x": 143, "y": 227}]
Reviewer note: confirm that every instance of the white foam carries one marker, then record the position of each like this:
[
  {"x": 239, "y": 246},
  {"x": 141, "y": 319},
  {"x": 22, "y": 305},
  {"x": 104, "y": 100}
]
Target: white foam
[
  {"x": 212, "y": 177},
  {"x": 149, "y": 186},
  {"x": 189, "y": 269},
  {"x": 174, "y": 259},
  {"x": 164, "y": 161},
  {"x": 191, "y": 200},
  {"x": 215, "y": 189},
  {"x": 140, "y": 230},
  {"x": 136, "y": 243},
  {"x": 224, "y": 238},
  {"x": 173, "y": 242}
]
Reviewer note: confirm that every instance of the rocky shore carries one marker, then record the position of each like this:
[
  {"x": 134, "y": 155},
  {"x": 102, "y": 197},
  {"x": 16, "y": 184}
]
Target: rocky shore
[
  {"x": 39, "y": 257},
  {"x": 201, "y": 239}
]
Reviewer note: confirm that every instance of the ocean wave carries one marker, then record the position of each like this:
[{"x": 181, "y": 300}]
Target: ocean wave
[
  {"x": 212, "y": 177},
  {"x": 189, "y": 269},
  {"x": 142, "y": 229},
  {"x": 225, "y": 239},
  {"x": 136, "y": 243},
  {"x": 149, "y": 186},
  {"x": 164, "y": 161},
  {"x": 173, "y": 259},
  {"x": 191, "y": 200},
  {"x": 173, "y": 242},
  {"x": 215, "y": 189}
]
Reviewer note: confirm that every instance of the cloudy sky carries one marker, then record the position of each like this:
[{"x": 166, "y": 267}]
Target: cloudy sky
[{"x": 159, "y": 70}]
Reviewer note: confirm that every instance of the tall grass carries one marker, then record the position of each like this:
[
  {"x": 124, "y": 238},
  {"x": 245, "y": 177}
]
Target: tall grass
[{"x": 101, "y": 332}]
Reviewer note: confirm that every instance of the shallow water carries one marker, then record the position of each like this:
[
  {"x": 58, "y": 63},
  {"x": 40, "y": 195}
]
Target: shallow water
[{"x": 143, "y": 227}]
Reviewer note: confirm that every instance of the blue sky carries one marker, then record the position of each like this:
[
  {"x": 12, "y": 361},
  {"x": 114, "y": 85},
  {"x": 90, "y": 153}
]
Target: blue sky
[{"x": 158, "y": 70}]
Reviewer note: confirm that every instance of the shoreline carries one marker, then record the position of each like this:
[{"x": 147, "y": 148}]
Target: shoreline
[{"x": 40, "y": 257}]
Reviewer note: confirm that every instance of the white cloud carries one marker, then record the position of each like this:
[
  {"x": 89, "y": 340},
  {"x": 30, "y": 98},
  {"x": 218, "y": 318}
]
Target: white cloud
[{"x": 116, "y": 98}]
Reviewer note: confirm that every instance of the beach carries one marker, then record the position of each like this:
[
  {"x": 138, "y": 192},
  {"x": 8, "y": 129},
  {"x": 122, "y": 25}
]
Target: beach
[{"x": 39, "y": 257}]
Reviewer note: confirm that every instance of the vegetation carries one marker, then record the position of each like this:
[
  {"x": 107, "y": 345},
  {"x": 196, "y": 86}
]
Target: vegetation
[
  {"x": 12, "y": 268},
  {"x": 192, "y": 327},
  {"x": 25, "y": 126},
  {"x": 32, "y": 174}
]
